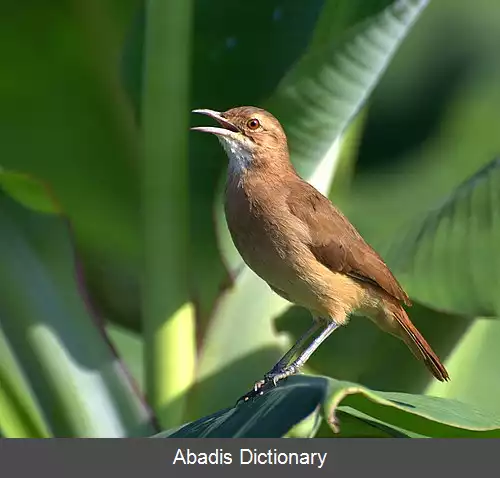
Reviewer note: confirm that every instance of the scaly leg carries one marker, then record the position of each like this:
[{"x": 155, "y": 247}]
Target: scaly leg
[
  {"x": 303, "y": 357},
  {"x": 285, "y": 360},
  {"x": 282, "y": 369}
]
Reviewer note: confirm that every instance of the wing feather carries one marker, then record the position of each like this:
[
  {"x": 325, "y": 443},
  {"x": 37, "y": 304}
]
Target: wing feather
[{"x": 337, "y": 244}]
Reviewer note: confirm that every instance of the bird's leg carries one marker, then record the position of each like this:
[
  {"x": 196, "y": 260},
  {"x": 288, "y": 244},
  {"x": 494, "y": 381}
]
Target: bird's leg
[
  {"x": 285, "y": 360},
  {"x": 304, "y": 356},
  {"x": 282, "y": 363}
]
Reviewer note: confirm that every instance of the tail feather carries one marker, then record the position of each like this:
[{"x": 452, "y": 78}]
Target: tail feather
[{"x": 418, "y": 345}]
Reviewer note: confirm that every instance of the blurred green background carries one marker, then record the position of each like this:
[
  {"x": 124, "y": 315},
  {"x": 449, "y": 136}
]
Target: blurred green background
[{"x": 117, "y": 278}]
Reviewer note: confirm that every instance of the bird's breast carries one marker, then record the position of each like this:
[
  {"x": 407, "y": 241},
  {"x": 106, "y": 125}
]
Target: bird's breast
[
  {"x": 266, "y": 235},
  {"x": 273, "y": 242}
]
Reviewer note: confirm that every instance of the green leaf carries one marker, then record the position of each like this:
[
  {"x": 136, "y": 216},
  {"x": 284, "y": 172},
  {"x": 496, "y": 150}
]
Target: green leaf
[
  {"x": 430, "y": 416},
  {"x": 241, "y": 323},
  {"x": 67, "y": 122},
  {"x": 399, "y": 414},
  {"x": 456, "y": 247},
  {"x": 81, "y": 387},
  {"x": 320, "y": 96},
  {"x": 271, "y": 416},
  {"x": 28, "y": 191},
  {"x": 356, "y": 424},
  {"x": 472, "y": 365},
  {"x": 20, "y": 415},
  {"x": 129, "y": 346},
  {"x": 391, "y": 198},
  {"x": 425, "y": 135}
]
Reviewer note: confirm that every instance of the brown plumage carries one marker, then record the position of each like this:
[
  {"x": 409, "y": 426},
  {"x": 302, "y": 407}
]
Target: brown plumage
[
  {"x": 337, "y": 244},
  {"x": 296, "y": 240}
]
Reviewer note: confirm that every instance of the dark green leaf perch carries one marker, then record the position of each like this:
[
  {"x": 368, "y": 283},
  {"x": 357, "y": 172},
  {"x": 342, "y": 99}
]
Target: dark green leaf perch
[{"x": 398, "y": 414}]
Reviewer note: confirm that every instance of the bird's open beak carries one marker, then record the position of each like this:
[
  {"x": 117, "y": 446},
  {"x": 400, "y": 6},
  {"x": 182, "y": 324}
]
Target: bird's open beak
[{"x": 227, "y": 129}]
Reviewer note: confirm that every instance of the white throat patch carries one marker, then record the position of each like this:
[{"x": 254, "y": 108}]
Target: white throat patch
[{"x": 239, "y": 158}]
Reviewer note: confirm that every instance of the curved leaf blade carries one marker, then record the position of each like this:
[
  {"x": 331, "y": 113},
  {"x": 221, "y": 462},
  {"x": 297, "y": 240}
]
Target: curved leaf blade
[
  {"x": 328, "y": 87},
  {"x": 20, "y": 415},
  {"x": 271, "y": 416},
  {"x": 81, "y": 387},
  {"x": 67, "y": 121},
  {"x": 430, "y": 416},
  {"x": 398, "y": 414},
  {"x": 29, "y": 192},
  {"x": 473, "y": 367},
  {"x": 456, "y": 247}
]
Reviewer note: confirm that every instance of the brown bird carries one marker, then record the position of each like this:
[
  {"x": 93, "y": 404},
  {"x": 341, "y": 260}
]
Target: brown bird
[{"x": 297, "y": 241}]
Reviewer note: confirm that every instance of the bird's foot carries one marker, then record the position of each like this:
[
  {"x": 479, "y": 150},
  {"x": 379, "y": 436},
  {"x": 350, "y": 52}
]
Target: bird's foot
[
  {"x": 275, "y": 376},
  {"x": 255, "y": 392},
  {"x": 270, "y": 380}
]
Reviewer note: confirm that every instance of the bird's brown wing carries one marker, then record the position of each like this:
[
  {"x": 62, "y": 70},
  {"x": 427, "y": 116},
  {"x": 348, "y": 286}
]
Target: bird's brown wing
[{"x": 336, "y": 243}]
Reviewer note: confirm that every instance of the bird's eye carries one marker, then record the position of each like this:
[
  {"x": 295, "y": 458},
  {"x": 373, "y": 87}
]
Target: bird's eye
[{"x": 253, "y": 124}]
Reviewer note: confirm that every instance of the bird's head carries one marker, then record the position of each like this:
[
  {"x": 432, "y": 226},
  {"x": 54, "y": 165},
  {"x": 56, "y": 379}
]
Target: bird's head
[{"x": 251, "y": 136}]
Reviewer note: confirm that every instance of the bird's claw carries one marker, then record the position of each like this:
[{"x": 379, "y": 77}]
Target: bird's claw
[
  {"x": 256, "y": 391},
  {"x": 270, "y": 378},
  {"x": 258, "y": 385}
]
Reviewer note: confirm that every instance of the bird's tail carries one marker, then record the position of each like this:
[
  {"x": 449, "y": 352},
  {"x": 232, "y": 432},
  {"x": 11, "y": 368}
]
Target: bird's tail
[{"x": 418, "y": 345}]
